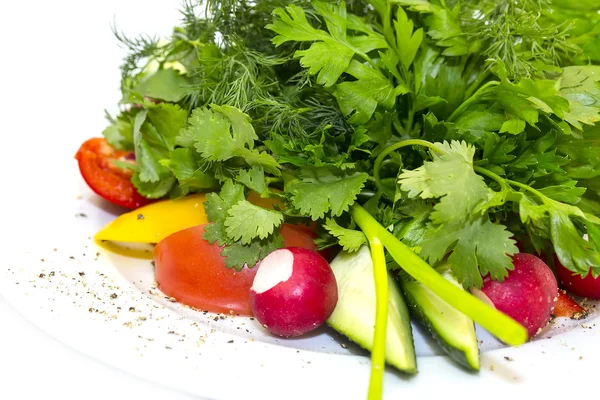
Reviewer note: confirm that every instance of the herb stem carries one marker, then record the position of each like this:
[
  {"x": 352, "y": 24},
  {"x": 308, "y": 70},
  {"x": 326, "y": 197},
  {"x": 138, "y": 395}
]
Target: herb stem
[
  {"x": 506, "y": 182},
  {"x": 269, "y": 180},
  {"x": 497, "y": 323},
  {"x": 501, "y": 181},
  {"x": 473, "y": 99},
  {"x": 394, "y": 147},
  {"x": 482, "y": 76},
  {"x": 381, "y": 316},
  {"x": 411, "y": 117}
]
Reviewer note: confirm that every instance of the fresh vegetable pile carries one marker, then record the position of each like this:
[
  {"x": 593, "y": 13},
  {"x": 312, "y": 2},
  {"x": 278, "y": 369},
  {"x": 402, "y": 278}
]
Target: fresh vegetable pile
[{"x": 458, "y": 142}]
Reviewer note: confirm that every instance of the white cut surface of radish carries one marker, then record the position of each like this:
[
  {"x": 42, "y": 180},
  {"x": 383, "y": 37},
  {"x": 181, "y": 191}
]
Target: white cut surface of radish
[{"x": 275, "y": 268}]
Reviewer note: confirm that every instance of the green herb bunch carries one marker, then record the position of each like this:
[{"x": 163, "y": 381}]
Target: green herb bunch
[{"x": 464, "y": 128}]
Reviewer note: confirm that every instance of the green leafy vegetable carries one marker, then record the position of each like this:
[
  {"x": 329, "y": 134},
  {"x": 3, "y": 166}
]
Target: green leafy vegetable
[
  {"x": 440, "y": 132},
  {"x": 350, "y": 239}
]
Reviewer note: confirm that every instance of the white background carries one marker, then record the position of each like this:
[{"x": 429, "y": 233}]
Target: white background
[
  {"x": 58, "y": 54},
  {"x": 54, "y": 54}
]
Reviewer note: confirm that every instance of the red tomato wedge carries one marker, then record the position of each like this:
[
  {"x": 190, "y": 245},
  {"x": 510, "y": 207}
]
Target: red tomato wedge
[
  {"x": 584, "y": 287},
  {"x": 193, "y": 272},
  {"x": 108, "y": 181},
  {"x": 567, "y": 307}
]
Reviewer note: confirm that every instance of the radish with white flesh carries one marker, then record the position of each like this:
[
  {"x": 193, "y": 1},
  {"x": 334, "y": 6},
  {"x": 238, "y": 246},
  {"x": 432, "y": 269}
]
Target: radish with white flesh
[
  {"x": 528, "y": 294},
  {"x": 294, "y": 291}
]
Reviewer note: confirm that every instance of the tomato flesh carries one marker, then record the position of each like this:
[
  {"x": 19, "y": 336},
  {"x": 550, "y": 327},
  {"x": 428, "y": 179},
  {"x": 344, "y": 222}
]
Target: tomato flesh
[
  {"x": 567, "y": 307},
  {"x": 193, "y": 271},
  {"x": 95, "y": 158}
]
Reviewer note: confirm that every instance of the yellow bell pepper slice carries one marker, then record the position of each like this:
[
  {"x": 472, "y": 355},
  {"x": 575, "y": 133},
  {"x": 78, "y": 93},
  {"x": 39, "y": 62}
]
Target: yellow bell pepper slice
[{"x": 155, "y": 221}]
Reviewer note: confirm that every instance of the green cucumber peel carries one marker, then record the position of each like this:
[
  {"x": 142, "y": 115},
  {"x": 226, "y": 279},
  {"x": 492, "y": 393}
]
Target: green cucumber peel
[{"x": 497, "y": 323}]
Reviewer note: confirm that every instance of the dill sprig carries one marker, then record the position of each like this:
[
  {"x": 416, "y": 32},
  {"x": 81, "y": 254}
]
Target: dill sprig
[
  {"x": 513, "y": 32},
  {"x": 139, "y": 49}
]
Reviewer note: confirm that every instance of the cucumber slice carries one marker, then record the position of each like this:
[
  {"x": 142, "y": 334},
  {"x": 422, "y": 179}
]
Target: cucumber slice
[
  {"x": 354, "y": 314},
  {"x": 454, "y": 331}
]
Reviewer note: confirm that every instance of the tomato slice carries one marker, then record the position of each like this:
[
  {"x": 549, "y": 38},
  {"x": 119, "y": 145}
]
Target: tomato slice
[
  {"x": 193, "y": 272},
  {"x": 110, "y": 182},
  {"x": 584, "y": 287},
  {"x": 567, "y": 307}
]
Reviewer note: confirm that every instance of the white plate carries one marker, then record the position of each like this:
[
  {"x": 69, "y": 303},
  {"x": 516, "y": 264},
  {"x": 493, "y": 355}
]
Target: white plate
[{"x": 106, "y": 306}]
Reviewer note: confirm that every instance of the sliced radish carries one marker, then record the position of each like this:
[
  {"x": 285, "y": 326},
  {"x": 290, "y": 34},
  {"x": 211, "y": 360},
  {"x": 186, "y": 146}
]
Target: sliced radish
[{"x": 294, "y": 291}]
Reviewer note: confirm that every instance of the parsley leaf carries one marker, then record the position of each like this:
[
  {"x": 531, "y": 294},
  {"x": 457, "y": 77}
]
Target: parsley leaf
[
  {"x": 478, "y": 247},
  {"x": 332, "y": 51},
  {"x": 223, "y": 133},
  {"x": 247, "y": 231},
  {"x": 151, "y": 178},
  {"x": 168, "y": 119},
  {"x": 119, "y": 133},
  {"x": 437, "y": 179},
  {"x": 323, "y": 190},
  {"x": 557, "y": 219},
  {"x": 238, "y": 255},
  {"x": 580, "y": 86},
  {"x": 253, "y": 179},
  {"x": 217, "y": 207},
  {"x": 188, "y": 171},
  {"x": 363, "y": 95},
  {"x": 247, "y": 221},
  {"x": 408, "y": 41},
  {"x": 350, "y": 239}
]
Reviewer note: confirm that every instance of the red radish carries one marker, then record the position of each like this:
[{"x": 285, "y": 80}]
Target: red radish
[
  {"x": 528, "y": 294},
  {"x": 294, "y": 291},
  {"x": 574, "y": 283}
]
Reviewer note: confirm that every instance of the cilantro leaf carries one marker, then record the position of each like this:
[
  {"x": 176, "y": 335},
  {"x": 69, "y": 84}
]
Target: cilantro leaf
[
  {"x": 478, "y": 247},
  {"x": 325, "y": 190},
  {"x": 151, "y": 178},
  {"x": 247, "y": 221},
  {"x": 217, "y": 207},
  {"x": 351, "y": 240},
  {"x": 247, "y": 231},
  {"x": 253, "y": 179},
  {"x": 437, "y": 179},
  {"x": 153, "y": 190},
  {"x": 238, "y": 255},
  {"x": 168, "y": 119},
  {"x": 119, "y": 133},
  {"x": 189, "y": 174},
  {"x": 223, "y": 133},
  {"x": 241, "y": 126}
]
